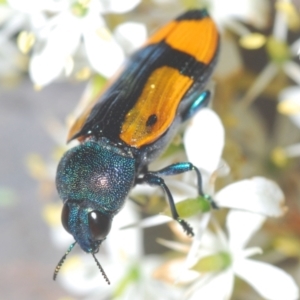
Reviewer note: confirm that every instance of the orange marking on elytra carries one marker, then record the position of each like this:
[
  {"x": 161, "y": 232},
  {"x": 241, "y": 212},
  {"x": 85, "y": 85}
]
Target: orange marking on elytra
[
  {"x": 161, "y": 96},
  {"x": 198, "y": 38}
]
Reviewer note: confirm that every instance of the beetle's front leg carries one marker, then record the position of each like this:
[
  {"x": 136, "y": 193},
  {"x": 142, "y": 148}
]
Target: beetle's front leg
[{"x": 153, "y": 179}]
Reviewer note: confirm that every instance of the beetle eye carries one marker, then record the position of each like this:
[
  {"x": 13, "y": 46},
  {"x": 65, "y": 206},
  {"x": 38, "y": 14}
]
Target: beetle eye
[
  {"x": 65, "y": 217},
  {"x": 99, "y": 225}
]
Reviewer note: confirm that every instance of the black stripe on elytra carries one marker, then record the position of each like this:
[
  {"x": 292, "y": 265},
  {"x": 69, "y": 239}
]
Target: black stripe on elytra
[
  {"x": 107, "y": 116},
  {"x": 193, "y": 15}
]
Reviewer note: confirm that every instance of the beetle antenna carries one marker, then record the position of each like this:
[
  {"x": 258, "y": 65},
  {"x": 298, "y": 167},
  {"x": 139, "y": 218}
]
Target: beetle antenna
[
  {"x": 60, "y": 263},
  {"x": 101, "y": 269}
]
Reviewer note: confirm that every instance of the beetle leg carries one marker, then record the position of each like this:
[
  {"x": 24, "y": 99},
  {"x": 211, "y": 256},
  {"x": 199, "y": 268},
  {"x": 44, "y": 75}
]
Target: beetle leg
[
  {"x": 182, "y": 167},
  {"x": 153, "y": 179}
]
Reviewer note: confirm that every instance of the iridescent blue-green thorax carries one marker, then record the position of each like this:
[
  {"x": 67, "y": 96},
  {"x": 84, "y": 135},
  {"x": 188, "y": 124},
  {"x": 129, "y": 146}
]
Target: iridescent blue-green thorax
[{"x": 93, "y": 180}]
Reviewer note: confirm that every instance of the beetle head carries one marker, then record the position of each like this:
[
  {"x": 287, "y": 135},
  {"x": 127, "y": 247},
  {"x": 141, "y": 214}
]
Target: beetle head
[{"x": 93, "y": 180}]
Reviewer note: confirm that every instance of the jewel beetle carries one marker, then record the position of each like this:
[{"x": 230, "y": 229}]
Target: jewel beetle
[{"x": 162, "y": 85}]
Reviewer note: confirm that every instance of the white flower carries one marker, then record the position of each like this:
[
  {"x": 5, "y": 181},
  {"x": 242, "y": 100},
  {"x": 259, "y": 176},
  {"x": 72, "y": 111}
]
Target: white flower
[
  {"x": 62, "y": 37},
  {"x": 218, "y": 259},
  {"x": 72, "y": 29},
  {"x": 269, "y": 281}
]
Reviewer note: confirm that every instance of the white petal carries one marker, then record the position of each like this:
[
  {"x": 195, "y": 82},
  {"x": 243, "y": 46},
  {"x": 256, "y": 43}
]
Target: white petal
[
  {"x": 45, "y": 67},
  {"x": 193, "y": 253},
  {"x": 254, "y": 12},
  {"x": 104, "y": 54},
  {"x": 280, "y": 26},
  {"x": 65, "y": 37},
  {"x": 176, "y": 246},
  {"x": 223, "y": 169},
  {"x": 161, "y": 2},
  {"x": 251, "y": 252},
  {"x": 30, "y": 6},
  {"x": 61, "y": 42},
  {"x": 294, "y": 47},
  {"x": 12, "y": 26},
  {"x": 179, "y": 273},
  {"x": 292, "y": 150},
  {"x": 131, "y": 35},
  {"x": 150, "y": 222},
  {"x": 270, "y": 282},
  {"x": 292, "y": 95},
  {"x": 210, "y": 243},
  {"x": 118, "y": 241},
  {"x": 292, "y": 69},
  {"x": 219, "y": 287},
  {"x": 118, "y": 6},
  {"x": 37, "y": 21},
  {"x": 204, "y": 140},
  {"x": 182, "y": 190},
  {"x": 258, "y": 195},
  {"x": 241, "y": 226},
  {"x": 6, "y": 13}
]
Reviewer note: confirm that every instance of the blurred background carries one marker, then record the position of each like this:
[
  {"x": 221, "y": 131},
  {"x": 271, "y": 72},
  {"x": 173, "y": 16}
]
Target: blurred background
[
  {"x": 28, "y": 257},
  {"x": 51, "y": 66}
]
